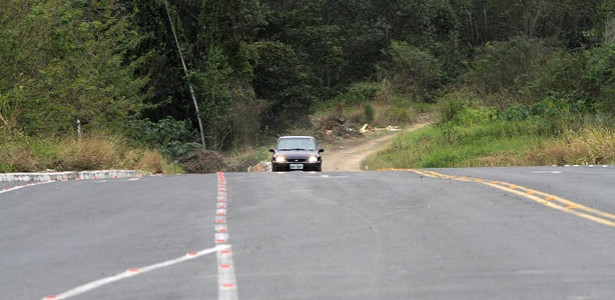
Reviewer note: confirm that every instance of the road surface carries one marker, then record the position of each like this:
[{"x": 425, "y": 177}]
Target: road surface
[{"x": 330, "y": 235}]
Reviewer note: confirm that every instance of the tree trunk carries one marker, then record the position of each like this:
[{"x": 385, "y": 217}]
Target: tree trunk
[{"x": 609, "y": 30}]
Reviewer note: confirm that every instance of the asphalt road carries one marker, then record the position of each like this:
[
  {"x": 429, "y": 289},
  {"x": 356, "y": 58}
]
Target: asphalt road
[{"x": 357, "y": 235}]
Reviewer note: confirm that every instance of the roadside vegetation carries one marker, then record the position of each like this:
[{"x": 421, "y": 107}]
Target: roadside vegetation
[
  {"x": 558, "y": 109},
  {"x": 96, "y": 152},
  {"x": 480, "y": 138},
  {"x": 101, "y": 84}
]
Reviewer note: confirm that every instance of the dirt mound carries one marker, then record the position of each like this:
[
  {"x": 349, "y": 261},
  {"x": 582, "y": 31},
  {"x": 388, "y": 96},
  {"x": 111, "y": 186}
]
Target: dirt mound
[
  {"x": 335, "y": 130},
  {"x": 263, "y": 166},
  {"x": 202, "y": 161}
]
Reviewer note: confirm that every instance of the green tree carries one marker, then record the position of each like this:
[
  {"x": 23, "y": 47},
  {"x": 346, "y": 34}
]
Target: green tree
[
  {"x": 214, "y": 36},
  {"x": 491, "y": 20},
  {"x": 298, "y": 60},
  {"x": 507, "y": 68},
  {"x": 584, "y": 78},
  {"x": 412, "y": 71},
  {"x": 68, "y": 61}
]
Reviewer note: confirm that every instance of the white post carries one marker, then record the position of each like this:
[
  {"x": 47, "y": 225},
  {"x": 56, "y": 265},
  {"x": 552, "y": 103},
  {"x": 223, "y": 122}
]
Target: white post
[{"x": 79, "y": 128}]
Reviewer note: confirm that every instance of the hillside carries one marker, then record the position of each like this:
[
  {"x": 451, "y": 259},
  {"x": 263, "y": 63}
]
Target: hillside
[{"x": 143, "y": 84}]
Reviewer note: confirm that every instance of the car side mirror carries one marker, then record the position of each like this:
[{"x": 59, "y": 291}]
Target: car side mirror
[
  {"x": 321, "y": 150},
  {"x": 271, "y": 150}
]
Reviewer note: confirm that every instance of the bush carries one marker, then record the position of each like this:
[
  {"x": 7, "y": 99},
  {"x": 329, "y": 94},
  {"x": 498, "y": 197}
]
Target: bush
[
  {"x": 448, "y": 110},
  {"x": 174, "y": 138},
  {"x": 554, "y": 116},
  {"x": 368, "y": 109},
  {"x": 460, "y": 110},
  {"x": 515, "y": 112}
]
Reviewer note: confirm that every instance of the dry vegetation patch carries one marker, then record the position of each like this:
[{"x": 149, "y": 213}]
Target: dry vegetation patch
[
  {"x": 96, "y": 152},
  {"x": 90, "y": 153},
  {"x": 590, "y": 146}
]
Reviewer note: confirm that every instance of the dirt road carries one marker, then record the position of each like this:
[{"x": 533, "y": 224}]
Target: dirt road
[{"x": 348, "y": 157}]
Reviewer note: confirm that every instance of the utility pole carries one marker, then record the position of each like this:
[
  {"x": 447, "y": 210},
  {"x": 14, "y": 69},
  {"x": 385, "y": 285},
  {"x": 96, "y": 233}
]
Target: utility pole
[{"x": 181, "y": 57}]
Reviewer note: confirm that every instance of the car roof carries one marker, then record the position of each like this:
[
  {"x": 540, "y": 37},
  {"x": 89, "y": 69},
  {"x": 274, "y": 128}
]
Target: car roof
[{"x": 296, "y": 137}]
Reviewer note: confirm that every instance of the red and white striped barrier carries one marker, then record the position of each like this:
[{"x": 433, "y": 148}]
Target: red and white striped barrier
[{"x": 227, "y": 283}]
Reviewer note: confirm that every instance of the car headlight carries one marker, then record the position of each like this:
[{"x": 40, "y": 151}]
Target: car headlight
[
  {"x": 313, "y": 159},
  {"x": 280, "y": 159}
]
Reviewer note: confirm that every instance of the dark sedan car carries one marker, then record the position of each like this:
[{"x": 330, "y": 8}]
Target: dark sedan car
[{"x": 296, "y": 153}]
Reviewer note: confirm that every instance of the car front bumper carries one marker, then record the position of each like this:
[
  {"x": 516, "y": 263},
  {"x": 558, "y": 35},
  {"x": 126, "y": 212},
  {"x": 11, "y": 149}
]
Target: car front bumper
[{"x": 296, "y": 166}]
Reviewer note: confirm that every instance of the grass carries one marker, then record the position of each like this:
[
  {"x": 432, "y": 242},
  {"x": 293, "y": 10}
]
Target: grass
[
  {"x": 497, "y": 143},
  {"x": 467, "y": 147}
]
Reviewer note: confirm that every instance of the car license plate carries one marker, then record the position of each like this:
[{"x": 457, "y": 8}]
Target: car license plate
[{"x": 296, "y": 166}]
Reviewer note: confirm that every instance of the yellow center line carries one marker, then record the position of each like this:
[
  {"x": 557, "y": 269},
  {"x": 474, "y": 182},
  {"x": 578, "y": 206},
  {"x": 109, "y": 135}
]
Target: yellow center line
[
  {"x": 567, "y": 203},
  {"x": 543, "y": 198}
]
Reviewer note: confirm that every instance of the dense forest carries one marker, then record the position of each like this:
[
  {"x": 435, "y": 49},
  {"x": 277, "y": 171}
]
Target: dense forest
[{"x": 159, "y": 72}]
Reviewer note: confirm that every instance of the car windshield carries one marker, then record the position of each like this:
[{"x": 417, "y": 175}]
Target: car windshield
[{"x": 296, "y": 144}]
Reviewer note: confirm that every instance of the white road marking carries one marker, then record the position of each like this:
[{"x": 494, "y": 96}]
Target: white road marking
[
  {"x": 5, "y": 190},
  {"x": 134, "y": 272},
  {"x": 31, "y": 184}
]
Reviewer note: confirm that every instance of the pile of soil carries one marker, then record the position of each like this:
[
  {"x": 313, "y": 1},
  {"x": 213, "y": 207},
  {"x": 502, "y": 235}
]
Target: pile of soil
[
  {"x": 336, "y": 130},
  {"x": 263, "y": 166},
  {"x": 203, "y": 161}
]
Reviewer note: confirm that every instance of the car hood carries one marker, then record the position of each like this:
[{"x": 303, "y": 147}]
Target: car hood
[{"x": 297, "y": 154}]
